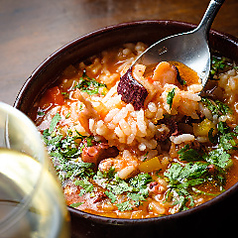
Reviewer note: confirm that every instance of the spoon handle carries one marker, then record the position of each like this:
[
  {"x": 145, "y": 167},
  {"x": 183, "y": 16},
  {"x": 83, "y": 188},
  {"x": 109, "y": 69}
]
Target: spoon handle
[{"x": 208, "y": 17}]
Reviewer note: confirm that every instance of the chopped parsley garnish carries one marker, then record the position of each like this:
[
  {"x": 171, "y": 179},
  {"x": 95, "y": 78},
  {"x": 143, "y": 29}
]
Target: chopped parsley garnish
[
  {"x": 183, "y": 178},
  {"x": 87, "y": 187},
  {"x": 218, "y": 65},
  {"x": 55, "y": 120},
  {"x": 216, "y": 107},
  {"x": 188, "y": 154},
  {"x": 111, "y": 195},
  {"x": 40, "y": 113},
  {"x": 124, "y": 206},
  {"x": 219, "y": 157},
  {"x": 65, "y": 151},
  {"x": 135, "y": 189},
  {"x": 170, "y": 97},
  {"x": 69, "y": 169},
  {"x": 76, "y": 204},
  {"x": 62, "y": 147},
  {"x": 89, "y": 85},
  {"x": 225, "y": 139}
]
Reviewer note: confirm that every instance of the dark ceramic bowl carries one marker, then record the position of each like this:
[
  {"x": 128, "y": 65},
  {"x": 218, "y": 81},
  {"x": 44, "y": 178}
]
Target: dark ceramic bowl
[{"x": 211, "y": 218}]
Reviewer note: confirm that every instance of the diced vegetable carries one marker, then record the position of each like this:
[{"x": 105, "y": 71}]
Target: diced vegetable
[
  {"x": 52, "y": 95},
  {"x": 202, "y": 128},
  {"x": 150, "y": 165},
  {"x": 103, "y": 91}
]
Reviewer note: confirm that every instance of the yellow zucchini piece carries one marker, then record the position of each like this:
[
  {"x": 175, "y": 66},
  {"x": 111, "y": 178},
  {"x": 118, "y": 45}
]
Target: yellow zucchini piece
[
  {"x": 202, "y": 128},
  {"x": 150, "y": 165}
]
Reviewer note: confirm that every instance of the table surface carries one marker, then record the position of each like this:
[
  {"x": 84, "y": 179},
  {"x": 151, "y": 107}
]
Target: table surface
[{"x": 33, "y": 29}]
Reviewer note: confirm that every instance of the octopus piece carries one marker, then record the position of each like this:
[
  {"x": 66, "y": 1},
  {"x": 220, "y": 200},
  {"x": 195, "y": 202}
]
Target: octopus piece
[
  {"x": 131, "y": 90},
  {"x": 156, "y": 188},
  {"x": 166, "y": 127},
  {"x": 97, "y": 152}
]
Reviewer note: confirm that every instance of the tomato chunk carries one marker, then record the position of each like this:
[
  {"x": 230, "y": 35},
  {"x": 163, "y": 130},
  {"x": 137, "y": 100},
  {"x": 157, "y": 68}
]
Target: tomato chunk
[{"x": 52, "y": 96}]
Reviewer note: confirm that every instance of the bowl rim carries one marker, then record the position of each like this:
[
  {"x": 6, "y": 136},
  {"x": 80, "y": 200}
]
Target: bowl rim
[{"x": 126, "y": 221}]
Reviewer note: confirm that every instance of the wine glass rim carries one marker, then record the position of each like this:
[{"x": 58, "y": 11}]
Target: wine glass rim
[{"x": 21, "y": 208}]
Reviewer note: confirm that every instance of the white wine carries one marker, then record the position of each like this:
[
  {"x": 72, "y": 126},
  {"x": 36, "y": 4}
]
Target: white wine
[{"x": 31, "y": 200}]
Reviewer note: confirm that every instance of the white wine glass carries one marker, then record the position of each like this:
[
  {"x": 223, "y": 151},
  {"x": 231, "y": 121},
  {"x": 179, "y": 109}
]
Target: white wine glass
[{"x": 31, "y": 200}]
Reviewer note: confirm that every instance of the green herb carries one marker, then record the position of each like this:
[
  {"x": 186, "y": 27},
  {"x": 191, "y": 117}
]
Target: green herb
[
  {"x": 145, "y": 156},
  {"x": 216, "y": 107},
  {"x": 68, "y": 115},
  {"x": 190, "y": 171},
  {"x": 137, "y": 197},
  {"x": 135, "y": 189},
  {"x": 65, "y": 151},
  {"x": 236, "y": 129},
  {"x": 124, "y": 206},
  {"x": 89, "y": 141},
  {"x": 118, "y": 186},
  {"x": 62, "y": 147},
  {"x": 54, "y": 122},
  {"x": 71, "y": 169},
  {"x": 41, "y": 113},
  {"x": 223, "y": 128},
  {"x": 111, "y": 196},
  {"x": 76, "y": 204},
  {"x": 184, "y": 82},
  {"x": 218, "y": 65},
  {"x": 212, "y": 139},
  {"x": 181, "y": 179},
  {"x": 140, "y": 181},
  {"x": 65, "y": 94},
  {"x": 219, "y": 157},
  {"x": 89, "y": 85},
  {"x": 86, "y": 186},
  {"x": 198, "y": 191},
  {"x": 170, "y": 97},
  {"x": 223, "y": 108},
  {"x": 225, "y": 138},
  {"x": 188, "y": 154}
]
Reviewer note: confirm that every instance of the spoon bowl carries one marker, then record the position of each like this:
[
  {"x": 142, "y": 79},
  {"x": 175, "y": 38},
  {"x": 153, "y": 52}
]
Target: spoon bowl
[{"x": 190, "y": 48}]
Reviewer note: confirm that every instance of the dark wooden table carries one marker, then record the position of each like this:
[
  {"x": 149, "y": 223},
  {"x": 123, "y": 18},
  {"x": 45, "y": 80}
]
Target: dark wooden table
[{"x": 31, "y": 29}]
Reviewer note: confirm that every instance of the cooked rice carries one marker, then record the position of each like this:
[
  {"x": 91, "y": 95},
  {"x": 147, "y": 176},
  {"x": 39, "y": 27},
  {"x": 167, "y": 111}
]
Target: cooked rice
[{"x": 122, "y": 125}]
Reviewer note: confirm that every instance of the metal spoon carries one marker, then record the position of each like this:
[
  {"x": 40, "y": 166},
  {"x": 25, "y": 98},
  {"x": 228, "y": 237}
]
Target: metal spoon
[{"x": 190, "y": 48}]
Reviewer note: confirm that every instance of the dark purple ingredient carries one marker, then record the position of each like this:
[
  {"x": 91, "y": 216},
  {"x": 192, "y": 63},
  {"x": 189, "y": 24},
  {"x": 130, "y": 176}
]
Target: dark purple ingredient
[
  {"x": 172, "y": 126},
  {"x": 132, "y": 91}
]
